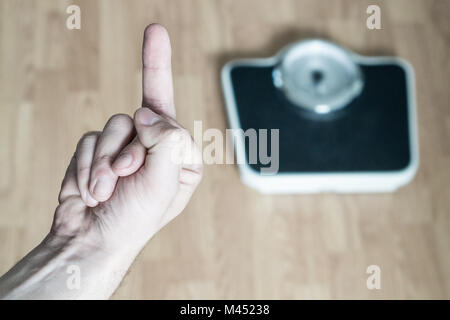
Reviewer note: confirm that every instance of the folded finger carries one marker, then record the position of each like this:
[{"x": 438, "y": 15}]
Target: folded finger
[
  {"x": 118, "y": 132},
  {"x": 164, "y": 143},
  {"x": 130, "y": 159},
  {"x": 84, "y": 156}
]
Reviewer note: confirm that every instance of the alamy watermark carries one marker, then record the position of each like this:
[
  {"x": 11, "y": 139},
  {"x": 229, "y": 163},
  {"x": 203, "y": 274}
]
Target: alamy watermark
[
  {"x": 73, "y": 21},
  {"x": 218, "y": 147},
  {"x": 374, "y": 19},
  {"x": 373, "y": 282},
  {"x": 73, "y": 281}
]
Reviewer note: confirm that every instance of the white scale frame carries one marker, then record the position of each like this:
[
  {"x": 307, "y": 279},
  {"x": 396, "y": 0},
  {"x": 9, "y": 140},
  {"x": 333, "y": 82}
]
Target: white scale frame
[{"x": 339, "y": 182}]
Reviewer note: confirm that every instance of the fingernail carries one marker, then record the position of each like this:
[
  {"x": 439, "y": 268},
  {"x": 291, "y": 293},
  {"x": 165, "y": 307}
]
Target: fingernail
[
  {"x": 147, "y": 117},
  {"x": 123, "y": 161},
  {"x": 102, "y": 187}
]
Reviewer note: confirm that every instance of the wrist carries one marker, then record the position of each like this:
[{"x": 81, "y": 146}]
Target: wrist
[
  {"x": 122, "y": 234},
  {"x": 68, "y": 265},
  {"x": 77, "y": 228},
  {"x": 70, "y": 268}
]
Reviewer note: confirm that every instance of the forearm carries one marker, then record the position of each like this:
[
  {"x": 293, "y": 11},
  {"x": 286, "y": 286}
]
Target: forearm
[{"x": 68, "y": 268}]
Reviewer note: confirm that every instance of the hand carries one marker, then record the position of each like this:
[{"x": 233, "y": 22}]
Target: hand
[
  {"x": 122, "y": 185},
  {"x": 125, "y": 183}
]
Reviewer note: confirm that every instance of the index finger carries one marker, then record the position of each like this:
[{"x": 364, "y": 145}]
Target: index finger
[{"x": 157, "y": 86}]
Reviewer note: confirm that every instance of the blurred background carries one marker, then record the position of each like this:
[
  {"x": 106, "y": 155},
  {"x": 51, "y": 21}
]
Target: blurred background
[{"x": 230, "y": 242}]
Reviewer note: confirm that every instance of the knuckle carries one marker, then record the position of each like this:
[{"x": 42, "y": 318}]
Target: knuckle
[
  {"x": 88, "y": 139},
  {"x": 175, "y": 134},
  {"x": 102, "y": 161},
  {"x": 103, "y": 158},
  {"x": 120, "y": 120},
  {"x": 159, "y": 104},
  {"x": 90, "y": 134},
  {"x": 62, "y": 195}
]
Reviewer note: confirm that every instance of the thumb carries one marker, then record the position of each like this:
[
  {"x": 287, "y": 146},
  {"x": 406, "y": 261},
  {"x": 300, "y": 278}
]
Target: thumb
[{"x": 165, "y": 145}]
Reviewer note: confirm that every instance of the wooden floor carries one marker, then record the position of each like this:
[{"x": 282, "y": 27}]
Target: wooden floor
[{"x": 231, "y": 242}]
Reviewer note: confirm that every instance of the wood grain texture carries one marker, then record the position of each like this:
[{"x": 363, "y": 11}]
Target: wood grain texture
[{"x": 231, "y": 242}]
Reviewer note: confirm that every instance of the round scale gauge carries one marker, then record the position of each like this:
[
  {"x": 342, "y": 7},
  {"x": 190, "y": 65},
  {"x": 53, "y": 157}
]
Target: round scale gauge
[{"x": 318, "y": 76}]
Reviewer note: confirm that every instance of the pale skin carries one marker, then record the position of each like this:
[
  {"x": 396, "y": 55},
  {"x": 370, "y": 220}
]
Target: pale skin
[{"x": 122, "y": 186}]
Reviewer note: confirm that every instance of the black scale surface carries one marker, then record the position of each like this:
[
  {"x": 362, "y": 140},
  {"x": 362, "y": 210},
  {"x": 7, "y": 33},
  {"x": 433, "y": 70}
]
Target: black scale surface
[{"x": 371, "y": 134}]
